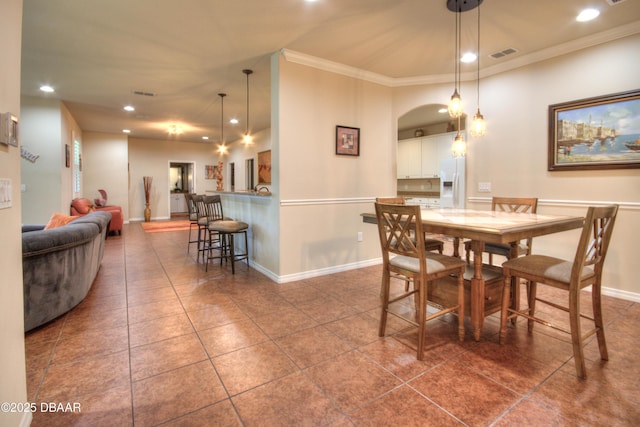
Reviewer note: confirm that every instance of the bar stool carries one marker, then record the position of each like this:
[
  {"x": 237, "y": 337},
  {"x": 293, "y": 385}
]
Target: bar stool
[
  {"x": 193, "y": 217},
  {"x": 227, "y": 229},
  {"x": 203, "y": 222}
]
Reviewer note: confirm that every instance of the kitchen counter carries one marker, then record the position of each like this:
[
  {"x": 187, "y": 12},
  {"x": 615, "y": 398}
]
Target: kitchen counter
[
  {"x": 419, "y": 194},
  {"x": 246, "y": 193}
]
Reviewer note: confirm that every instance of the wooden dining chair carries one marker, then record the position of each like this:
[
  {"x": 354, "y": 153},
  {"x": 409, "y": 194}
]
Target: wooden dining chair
[
  {"x": 430, "y": 244},
  {"x": 508, "y": 204},
  {"x": 585, "y": 270},
  {"x": 404, "y": 257}
]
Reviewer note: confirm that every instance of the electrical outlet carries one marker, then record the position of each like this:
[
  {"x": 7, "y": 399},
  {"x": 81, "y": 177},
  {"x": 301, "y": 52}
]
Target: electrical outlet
[
  {"x": 484, "y": 187},
  {"x": 359, "y": 236}
]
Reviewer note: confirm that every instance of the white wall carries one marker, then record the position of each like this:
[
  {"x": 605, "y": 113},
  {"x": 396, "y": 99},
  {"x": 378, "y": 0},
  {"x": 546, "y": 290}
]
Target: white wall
[
  {"x": 322, "y": 194},
  {"x": 46, "y": 127},
  {"x": 40, "y": 131},
  {"x": 105, "y": 166},
  {"x": 151, "y": 158},
  {"x": 13, "y": 381},
  {"x": 261, "y": 213},
  {"x": 238, "y": 153},
  {"x": 513, "y": 153}
]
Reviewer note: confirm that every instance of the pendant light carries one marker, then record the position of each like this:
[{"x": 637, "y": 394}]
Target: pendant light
[
  {"x": 247, "y": 136},
  {"x": 478, "y": 125},
  {"x": 459, "y": 146},
  {"x": 455, "y": 104},
  {"x": 222, "y": 148}
]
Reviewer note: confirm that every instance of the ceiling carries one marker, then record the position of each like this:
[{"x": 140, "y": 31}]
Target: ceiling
[{"x": 96, "y": 54}]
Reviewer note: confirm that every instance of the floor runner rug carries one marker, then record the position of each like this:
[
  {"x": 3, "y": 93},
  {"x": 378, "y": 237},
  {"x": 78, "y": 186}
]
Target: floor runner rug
[{"x": 162, "y": 226}]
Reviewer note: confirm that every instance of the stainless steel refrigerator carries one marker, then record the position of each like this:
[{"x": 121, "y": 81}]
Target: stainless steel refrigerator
[{"x": 452, "y": 183}]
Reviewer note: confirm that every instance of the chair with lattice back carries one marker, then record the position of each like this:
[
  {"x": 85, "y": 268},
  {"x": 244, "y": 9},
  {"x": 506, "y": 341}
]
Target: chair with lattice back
[
  {"x": 570, "y": 276},
  {"x": 430, "y": 244},
  {"x": 508, "y": 204},
  {"x": 404, "y": 257}
]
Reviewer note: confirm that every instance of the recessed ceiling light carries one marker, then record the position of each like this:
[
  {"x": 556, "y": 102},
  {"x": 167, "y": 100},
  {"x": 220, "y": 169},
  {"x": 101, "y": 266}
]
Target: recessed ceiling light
[
  {"x": 587, "y": 15},
  {"x": 468, "y": 57},
  {"x": 129, "y": 108},
  {"x": 126, "y": 131},
  {"x": 233, "y": 121},
  {"x": 47, "y": 88}
]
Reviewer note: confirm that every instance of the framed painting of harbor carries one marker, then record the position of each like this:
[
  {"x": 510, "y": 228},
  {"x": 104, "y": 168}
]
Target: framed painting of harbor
[{"x": 595, "y": 133}]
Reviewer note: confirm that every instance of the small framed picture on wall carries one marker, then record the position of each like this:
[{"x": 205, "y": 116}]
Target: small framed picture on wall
[{"x": 347, "y": 141}]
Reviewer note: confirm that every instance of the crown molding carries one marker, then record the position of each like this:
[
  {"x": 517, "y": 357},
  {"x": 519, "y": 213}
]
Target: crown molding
[{"x": 521, "y": 61}]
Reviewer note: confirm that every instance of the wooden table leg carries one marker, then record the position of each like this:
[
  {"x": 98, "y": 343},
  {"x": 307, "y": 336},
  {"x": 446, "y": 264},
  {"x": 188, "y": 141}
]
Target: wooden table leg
[
  {"x": 477, "y": 290},
  {"x": 515, "y": 284}
]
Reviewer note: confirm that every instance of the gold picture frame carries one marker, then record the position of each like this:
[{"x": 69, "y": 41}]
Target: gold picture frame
[{"x": 595, "y": 133}]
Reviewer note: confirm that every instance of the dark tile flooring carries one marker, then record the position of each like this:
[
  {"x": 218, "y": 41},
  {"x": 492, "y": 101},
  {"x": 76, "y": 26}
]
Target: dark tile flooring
[{"x": 159, "y": 341}]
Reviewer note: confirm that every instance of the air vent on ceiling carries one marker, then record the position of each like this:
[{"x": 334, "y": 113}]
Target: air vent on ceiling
[
  {"x": 143, "y": 93},
  {"x": 502, "y": 53},
  {"x": 614, "y": 2}
]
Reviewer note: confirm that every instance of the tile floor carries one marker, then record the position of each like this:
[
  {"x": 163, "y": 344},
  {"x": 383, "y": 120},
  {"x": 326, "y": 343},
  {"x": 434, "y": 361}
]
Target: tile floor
[{"x": 160, "y": 342}]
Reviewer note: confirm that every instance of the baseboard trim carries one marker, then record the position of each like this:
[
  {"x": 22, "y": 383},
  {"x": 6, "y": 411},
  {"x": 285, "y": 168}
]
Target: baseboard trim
[
  {"x": 616, "y": 293},
  {"x": 625, "y": 295},
  {"x": 27, "y": 417},
  {"x": 328, "y": 270}
]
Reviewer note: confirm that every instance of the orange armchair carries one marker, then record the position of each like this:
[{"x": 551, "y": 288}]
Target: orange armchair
[{"x": 82, "y": 206}]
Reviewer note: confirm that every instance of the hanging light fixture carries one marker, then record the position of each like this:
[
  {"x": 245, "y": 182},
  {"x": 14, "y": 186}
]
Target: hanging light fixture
[
  {"x": 222, "y": 148},
  {"x": 478, "y": 125},
  {"x": 455, "y": 104},
  {"x": 247, "y": 136},
  {"x": 459, "y": 146}
]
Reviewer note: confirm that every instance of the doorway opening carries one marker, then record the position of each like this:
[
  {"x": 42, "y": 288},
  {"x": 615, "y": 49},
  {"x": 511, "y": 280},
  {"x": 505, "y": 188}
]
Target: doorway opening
[
  {"x": 181, "y": 182},
  {"x": 250, "y": 178},
  {"x": 232, "y": 176}
]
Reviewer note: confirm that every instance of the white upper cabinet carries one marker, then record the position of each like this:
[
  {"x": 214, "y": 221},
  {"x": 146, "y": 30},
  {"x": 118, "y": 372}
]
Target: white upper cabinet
[
  {"x": 430, "y": 159},
  {"x": 420, "y": 157},
  {"x": 410, "y": 158}
]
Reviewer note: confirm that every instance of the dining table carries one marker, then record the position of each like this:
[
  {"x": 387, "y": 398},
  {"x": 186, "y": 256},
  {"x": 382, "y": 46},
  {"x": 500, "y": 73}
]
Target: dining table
[{"x": 484, "y": 283}]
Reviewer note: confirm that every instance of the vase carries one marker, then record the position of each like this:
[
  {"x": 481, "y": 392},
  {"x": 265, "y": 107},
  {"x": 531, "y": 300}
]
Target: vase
[{"x": 147, "y": 214}]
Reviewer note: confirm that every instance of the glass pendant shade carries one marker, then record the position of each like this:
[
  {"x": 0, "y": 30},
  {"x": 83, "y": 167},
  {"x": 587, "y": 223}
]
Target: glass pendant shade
[
  {"x": 455, "y": 105},
  {"x": 459, "y": 147},
  {"x": 478, "y": 125}
]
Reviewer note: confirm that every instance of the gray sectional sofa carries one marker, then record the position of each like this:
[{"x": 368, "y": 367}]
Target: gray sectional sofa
[{"x": 59, "y": 266}]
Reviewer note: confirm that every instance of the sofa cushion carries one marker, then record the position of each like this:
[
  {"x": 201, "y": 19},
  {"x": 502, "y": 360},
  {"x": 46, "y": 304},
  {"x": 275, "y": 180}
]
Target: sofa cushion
[
  {"x": 58, "y": 220},
  {"x": 82, "y": 205}
]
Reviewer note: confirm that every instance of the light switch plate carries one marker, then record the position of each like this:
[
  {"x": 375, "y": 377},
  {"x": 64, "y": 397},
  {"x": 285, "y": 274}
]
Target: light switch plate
[
  {"x": 484, "y": 187},
  {"x": 5, "y": 193}
]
